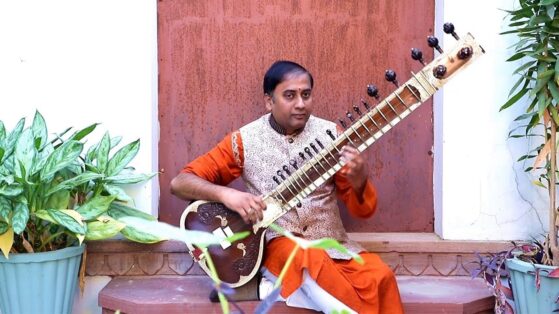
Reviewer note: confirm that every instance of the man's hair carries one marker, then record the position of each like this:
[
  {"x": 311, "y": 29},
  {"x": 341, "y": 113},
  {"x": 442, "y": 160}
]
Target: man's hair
[{"x": 277, "y": 73}]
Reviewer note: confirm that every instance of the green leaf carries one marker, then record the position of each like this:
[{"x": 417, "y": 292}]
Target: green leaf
[
  {"x": 20, "y": 217},
  {"x": 11, "y": 190},
  {"x": 25, "y": 152},
  {"x": 10, "y": 142},
  {"x": 104, "y": 229},
  {"x": 553, "y": 89},
  {"x": 44, "y": 215},
  {"x": 5, "y": 208},
  {"x": 328, "y": 243},
  {"x": 74, "y": 182},
  {"x": 554, "y": 114},
  {"x": 122, "y": 157},
  {"x": 103, "y": 152},
  {"x": 525, "y": 116},
  {"x": 39, "y": 128},
  {"x": 129, "y": 178},
  {"x": 118, "y": 192},
  {"x": 67, "y": 221},
  {"x": 41, "y": 158},
  {"x": 548, "y": 2},
  {"x": 62, "y": 156},
  {"x": 117, "y": 210},
  {"x": 83, "y": 132},
  {"x": 2, "y": 133},
  {"x": 137, "y": 235},
  {"x": 58, "y": 200},
  {"x": 95, "y": 206},
  {"x": 514, "y": 99},
  {"x": 546, "y": 74},
  {"x": 3, "y": 227},
  {"x": 517, "y": 56}
]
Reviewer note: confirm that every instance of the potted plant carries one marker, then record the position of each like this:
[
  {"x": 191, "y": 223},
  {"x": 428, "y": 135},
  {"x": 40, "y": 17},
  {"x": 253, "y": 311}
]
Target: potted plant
[
  {"x": 54, "y": 194},
  {"x": 536, "y": 25}
]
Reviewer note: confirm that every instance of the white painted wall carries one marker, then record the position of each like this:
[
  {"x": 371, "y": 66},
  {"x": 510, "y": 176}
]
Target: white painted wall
[
  {"x": 81, "y": 62},
  {"x": 481, "y": 192}
]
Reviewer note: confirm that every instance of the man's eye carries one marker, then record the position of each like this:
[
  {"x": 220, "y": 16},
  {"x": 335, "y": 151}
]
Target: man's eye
[
  {"x": 306, "y": 95},
  {"x": 289, "y": 96}
]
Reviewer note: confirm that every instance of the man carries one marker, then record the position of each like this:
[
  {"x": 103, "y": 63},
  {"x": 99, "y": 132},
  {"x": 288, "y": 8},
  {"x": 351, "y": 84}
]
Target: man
[{"x": 317, "y": 279}]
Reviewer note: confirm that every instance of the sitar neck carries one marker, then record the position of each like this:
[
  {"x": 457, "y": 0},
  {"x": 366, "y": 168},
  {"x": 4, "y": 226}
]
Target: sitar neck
[{"x": 369, "y": 127}]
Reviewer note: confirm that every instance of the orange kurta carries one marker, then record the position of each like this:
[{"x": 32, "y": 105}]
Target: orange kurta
[{"x": 368, "y": 288}]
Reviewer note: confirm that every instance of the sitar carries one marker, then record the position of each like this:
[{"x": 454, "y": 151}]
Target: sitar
[{"x": 237, "y": 263}]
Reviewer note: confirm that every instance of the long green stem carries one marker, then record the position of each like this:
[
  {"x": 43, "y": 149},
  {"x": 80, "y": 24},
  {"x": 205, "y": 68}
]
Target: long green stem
[
  {"x": 215, "y": 278},
  {"x": 49, "y": 239},
  {"x": 286, "y": 266}
]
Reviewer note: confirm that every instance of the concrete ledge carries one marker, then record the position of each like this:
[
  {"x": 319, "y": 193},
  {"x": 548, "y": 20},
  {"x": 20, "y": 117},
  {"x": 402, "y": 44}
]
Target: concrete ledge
[{"x": 189, "y": 294}]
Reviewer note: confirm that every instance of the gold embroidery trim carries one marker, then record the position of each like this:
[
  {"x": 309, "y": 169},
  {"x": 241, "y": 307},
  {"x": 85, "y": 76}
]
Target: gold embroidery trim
[{"x": 235, "y": 147}]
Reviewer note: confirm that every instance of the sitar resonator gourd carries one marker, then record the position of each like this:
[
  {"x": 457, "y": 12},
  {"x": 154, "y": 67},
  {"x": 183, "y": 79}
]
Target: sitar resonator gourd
[{"x": 236, "y": 263}]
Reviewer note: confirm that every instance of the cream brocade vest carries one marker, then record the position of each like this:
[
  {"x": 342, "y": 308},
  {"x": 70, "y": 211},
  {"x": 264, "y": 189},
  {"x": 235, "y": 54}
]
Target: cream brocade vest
[{"x": 266, "y": 151}]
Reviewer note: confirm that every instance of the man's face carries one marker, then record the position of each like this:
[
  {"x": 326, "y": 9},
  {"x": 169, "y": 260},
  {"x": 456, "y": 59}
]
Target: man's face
[{"x": 291, "y": 102}]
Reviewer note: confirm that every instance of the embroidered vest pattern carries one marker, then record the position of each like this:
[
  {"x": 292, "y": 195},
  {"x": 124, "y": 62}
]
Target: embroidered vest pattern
[{"x": 266, "y": 152}]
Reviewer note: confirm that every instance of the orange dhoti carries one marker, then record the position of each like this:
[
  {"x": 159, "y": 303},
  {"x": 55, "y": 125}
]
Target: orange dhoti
[{"x": 366, "y": 288}]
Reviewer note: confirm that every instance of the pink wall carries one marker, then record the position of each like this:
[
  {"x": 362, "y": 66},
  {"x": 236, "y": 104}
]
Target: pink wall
[{"x": 213, "y": 55}]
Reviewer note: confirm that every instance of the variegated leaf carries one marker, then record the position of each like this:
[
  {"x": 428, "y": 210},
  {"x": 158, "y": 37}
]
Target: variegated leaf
[
  {"x": 63, "y": 219},
  {"x": 122, "y": 157},
  {"x": 105, "y": 229},
  {"x": 39, "y": 128},
  {"x": 25, "y": 152},
  {"x": 20, "y": 217},
  {"x": 103, "y": 153},
  {"x": 95, "y": 206},
  {"x": 62, "y": 156},
  {"x": 117, "y": 210}
]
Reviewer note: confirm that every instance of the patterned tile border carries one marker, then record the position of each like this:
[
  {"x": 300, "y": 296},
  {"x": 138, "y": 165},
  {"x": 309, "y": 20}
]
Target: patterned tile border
[{"x": 409, "y": 254}]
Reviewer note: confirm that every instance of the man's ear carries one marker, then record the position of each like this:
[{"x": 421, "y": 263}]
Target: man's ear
[{"x": 268, "y": 101}]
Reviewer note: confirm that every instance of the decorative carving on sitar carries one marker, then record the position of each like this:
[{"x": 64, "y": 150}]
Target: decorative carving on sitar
[
  {"x": 209, "y": 211},
  {"x": 244, "y": 265}
]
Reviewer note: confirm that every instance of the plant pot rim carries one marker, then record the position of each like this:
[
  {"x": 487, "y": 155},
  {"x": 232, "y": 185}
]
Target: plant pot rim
[
  {"x": 525, "y": 267},
  {"x": 43, "y": 256}
]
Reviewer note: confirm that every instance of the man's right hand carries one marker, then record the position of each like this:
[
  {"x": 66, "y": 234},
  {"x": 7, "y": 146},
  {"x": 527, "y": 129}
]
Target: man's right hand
[{"x": 249, "y": 206}]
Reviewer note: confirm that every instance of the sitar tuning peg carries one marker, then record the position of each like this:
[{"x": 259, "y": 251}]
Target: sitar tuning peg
[
  {"x": 302, "y": 156},
  {"x": 349, "y": 116},
  {"x": 417, "y": 55},
  {"x": 331, "y": 134},
  {"x": 372, "y": 91},
  {"x": 293, "y": 164},
  {"x": 313, "y": 147},
  {"x": 319, "y": 143},
  {"x": 433, "y": 42},
  {"x": 366, "y": 105},
  {"x": 308, "y": 151},
  {"x": 357, "y": 110},
  {"x": 342, "y": 122},
  {"x": 280, "y": 174},
  {"x": 286, "y": 169},
  {"x": 276, "y": 180},
  {"x": 390, "y": 76},
  {"x": 449, "y": 29}
]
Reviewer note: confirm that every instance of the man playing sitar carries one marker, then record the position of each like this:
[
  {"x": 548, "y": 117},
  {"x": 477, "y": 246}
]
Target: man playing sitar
[{"x": 263, "y": 153}]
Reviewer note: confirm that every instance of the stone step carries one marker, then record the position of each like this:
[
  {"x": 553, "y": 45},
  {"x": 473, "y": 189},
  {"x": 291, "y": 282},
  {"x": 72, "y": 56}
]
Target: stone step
[{"x": 189, "y": 294}]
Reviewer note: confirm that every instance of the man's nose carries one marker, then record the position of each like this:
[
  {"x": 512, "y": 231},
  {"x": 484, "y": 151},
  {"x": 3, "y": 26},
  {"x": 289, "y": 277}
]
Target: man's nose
[{"x": 300, "y": 102}]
